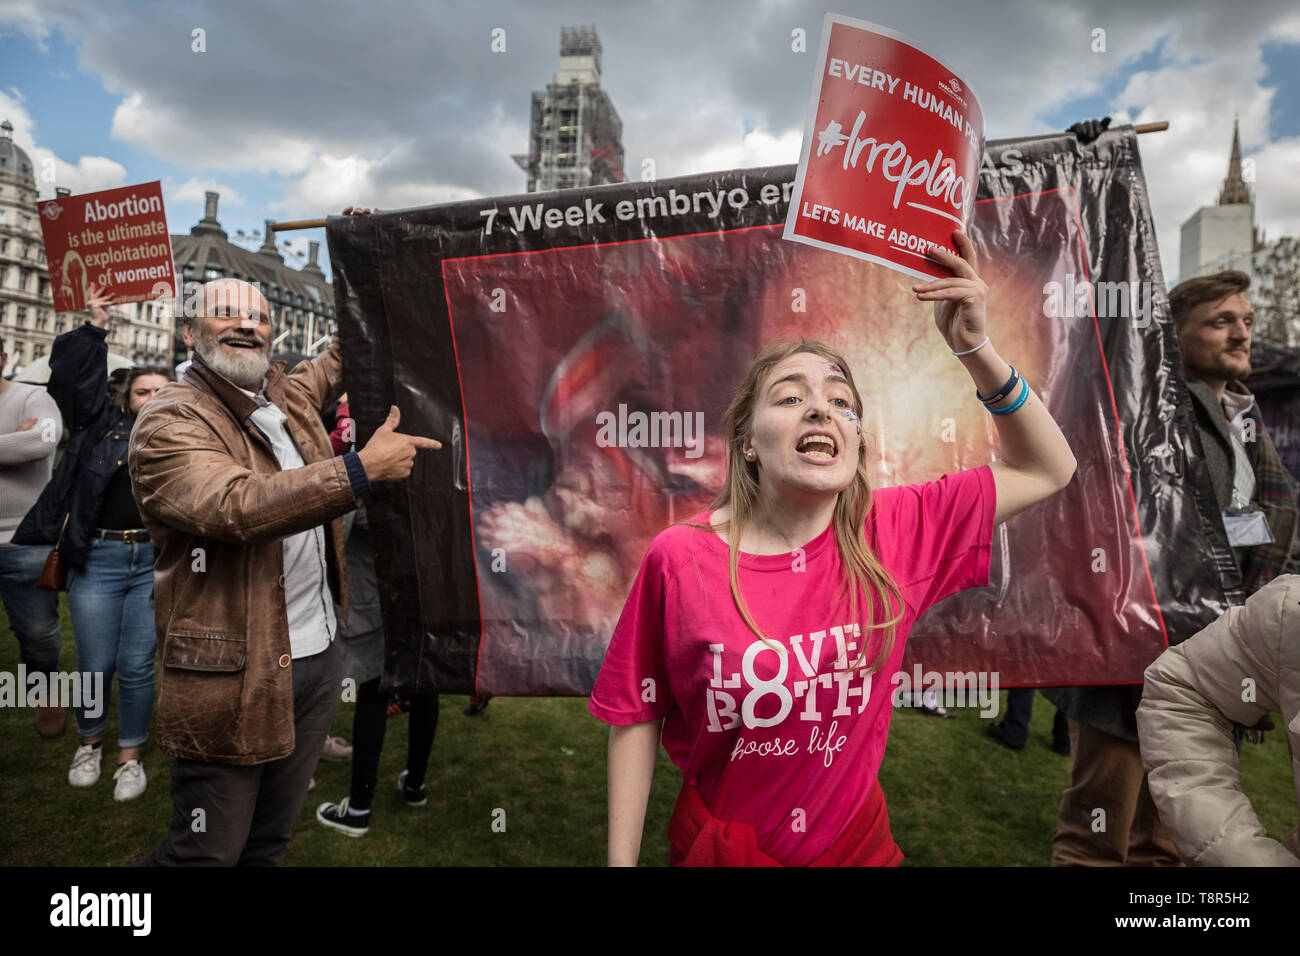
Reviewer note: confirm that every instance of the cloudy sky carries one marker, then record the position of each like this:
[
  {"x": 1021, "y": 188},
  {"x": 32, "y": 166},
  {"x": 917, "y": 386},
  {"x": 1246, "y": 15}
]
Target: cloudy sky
[{"x": 298, "y": 108}]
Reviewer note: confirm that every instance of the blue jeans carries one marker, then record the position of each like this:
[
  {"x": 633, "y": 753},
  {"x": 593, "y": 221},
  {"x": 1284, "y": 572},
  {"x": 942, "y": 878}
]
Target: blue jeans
[
  {"x": 111, "y": 604},
  {"x": 33, "y": 613}
]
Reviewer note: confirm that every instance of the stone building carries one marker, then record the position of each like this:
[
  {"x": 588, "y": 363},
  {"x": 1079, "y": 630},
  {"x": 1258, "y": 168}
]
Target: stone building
[
  {"x": 301, "y": 300},
  {"x": 27, "y": 321},
  {"x": 139, "y": 332}
]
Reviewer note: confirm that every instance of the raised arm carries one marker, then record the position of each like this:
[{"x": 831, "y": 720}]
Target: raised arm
[
  {"x": 632, "y": 752},
  {"x": 79, "y": 366},
  {"x": 1036, "y": 460},
  {"x": 320, "y": 379},
  {"x": 184, "y": 476}
]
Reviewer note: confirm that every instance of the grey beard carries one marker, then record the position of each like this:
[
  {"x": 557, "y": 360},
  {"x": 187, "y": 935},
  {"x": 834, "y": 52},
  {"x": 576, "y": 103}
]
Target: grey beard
[{"x": 246, "y": 371}]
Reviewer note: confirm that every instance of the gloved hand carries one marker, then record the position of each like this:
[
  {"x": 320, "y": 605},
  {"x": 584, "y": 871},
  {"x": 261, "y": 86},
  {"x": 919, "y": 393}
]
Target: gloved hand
[{"x": 1089, "y": 130}]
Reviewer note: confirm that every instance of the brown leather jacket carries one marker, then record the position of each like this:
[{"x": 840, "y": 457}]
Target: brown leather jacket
[{"x": 216, "y": 504}]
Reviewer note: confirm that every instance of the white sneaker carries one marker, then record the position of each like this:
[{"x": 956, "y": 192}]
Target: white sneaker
[
  {"x": 130, "y": 781},
  {"x": 85, "y": 766}
]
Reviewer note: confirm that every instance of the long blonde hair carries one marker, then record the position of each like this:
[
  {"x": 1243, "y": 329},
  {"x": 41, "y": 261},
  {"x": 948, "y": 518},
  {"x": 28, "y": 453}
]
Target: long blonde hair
[{"x": 739, "y": 494}]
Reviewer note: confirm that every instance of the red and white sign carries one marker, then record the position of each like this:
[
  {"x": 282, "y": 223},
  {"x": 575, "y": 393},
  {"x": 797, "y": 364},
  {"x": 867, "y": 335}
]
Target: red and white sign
[
  {"x": 116, "y": 239},
  {"x": 891, "y": 151}
]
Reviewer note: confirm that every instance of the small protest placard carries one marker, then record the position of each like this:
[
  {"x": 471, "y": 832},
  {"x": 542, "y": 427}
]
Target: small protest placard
[
  {"x": 891, "y": 151},
  {"x": 116, "y": 239}
]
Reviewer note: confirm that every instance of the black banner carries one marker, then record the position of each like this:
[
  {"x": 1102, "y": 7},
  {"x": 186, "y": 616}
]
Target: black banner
[{"x": 575, "y": 351}]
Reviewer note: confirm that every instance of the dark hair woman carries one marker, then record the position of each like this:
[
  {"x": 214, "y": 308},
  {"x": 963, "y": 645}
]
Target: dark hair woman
[{"x": 88, "y": 510}]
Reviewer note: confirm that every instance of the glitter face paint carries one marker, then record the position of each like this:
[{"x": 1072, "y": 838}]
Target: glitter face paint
[
  {"x": 848, "y": 413},
  {"x": 852, "y": 416}
]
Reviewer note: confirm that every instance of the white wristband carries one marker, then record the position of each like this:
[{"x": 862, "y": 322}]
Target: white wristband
[{"x": 975, "y": 349}]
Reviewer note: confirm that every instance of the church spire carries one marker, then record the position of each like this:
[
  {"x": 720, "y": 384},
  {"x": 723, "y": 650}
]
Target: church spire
[{"x": 1234, "y": 187}]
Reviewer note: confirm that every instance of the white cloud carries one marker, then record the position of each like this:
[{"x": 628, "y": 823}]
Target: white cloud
[
  {"x": 335, "y": 182},
  {"x": 27, "y": 17},
  {"x": 1288, "y": 29},
  {"x": 345, "y": 104},
  {"x": 189, "y": 138},
  {"x": 1277, "y": 205},
  {"x": 759, "y": 147},
  {"x": 1186, "y": 165},
  {"x": 87, "y": 174},
  {"x": 193, "y": 189}
]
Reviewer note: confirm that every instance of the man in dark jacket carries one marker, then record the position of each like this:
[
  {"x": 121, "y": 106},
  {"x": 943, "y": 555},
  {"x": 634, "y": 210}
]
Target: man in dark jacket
[{"x": 1257, "y": 499}]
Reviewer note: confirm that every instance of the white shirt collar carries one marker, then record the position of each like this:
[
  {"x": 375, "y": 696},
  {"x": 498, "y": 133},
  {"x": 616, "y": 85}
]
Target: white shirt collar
[
  {"x": 258, "y": 396},
  {"x": 1236, "y": 404}
]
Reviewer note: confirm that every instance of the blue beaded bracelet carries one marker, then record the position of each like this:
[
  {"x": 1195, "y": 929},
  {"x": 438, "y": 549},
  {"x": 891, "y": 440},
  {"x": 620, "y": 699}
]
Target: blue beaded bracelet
[{"x": 1014, "y": 406}]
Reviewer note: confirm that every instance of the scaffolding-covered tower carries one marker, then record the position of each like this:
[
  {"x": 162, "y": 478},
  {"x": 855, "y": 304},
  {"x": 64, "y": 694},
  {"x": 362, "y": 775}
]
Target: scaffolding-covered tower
[{"x": 576, "y": 135}]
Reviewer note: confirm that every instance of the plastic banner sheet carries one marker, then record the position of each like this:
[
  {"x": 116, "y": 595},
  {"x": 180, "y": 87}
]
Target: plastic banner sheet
[{"x": 575, "y": 352}]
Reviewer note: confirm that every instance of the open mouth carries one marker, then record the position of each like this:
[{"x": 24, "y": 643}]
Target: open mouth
[
  {"x": 241, "y": 344},
  {"x": 818, "y": 447}
]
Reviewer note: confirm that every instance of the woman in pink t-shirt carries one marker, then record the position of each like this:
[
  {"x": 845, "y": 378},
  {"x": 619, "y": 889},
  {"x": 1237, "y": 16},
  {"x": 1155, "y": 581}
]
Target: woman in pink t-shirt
[{"x": 754, "y": 637}]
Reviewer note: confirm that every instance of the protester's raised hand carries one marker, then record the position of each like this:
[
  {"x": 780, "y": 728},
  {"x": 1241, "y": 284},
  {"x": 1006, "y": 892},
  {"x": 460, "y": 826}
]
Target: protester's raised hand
[
  {"x": 958, "y": 301},
  {"x": 98, "y": 300},
  {"x": 389, "y": 456},
  {"x": 356, "y": 211}
]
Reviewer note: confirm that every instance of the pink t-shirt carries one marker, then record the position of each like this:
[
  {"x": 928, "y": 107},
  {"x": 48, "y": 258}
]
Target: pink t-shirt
[{"x": 782, "y": 739}]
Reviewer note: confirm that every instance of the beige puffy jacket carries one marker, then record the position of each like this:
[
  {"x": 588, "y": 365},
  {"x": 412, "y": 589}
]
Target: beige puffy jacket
[{"x": 1193, "y": 693}]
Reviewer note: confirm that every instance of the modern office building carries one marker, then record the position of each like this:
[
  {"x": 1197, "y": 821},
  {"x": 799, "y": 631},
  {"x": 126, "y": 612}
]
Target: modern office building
[{"x": 1222, "y": 236}]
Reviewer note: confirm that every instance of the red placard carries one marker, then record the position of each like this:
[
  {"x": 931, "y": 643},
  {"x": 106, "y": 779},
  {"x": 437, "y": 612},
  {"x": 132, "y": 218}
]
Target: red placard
[
  {"x": 115, "y": 238},
  {"x": 891, "y": 151}
]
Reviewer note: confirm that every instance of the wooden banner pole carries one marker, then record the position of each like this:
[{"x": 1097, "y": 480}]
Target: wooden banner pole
[{"x": 297, "y": 224}]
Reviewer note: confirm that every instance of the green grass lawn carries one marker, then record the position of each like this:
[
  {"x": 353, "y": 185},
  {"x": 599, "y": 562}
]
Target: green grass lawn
[{"x": 955, "y": 797}]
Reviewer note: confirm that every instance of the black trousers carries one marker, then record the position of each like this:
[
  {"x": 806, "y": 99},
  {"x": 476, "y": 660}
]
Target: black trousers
[
  {"x": 368, "y": 727},
  {"x": 1020, "y": 707},
  {"x": 224, "y": 815}
]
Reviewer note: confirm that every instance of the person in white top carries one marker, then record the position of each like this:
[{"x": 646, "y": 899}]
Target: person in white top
[{"x": 30, "y": 429}]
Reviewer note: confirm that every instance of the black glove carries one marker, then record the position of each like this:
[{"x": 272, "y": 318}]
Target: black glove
[{"x": 1089, "y": 130}]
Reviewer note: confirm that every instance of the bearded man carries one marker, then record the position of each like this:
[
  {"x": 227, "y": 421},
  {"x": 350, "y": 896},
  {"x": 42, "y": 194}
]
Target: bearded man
[{"x": 243, "y": 498}]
